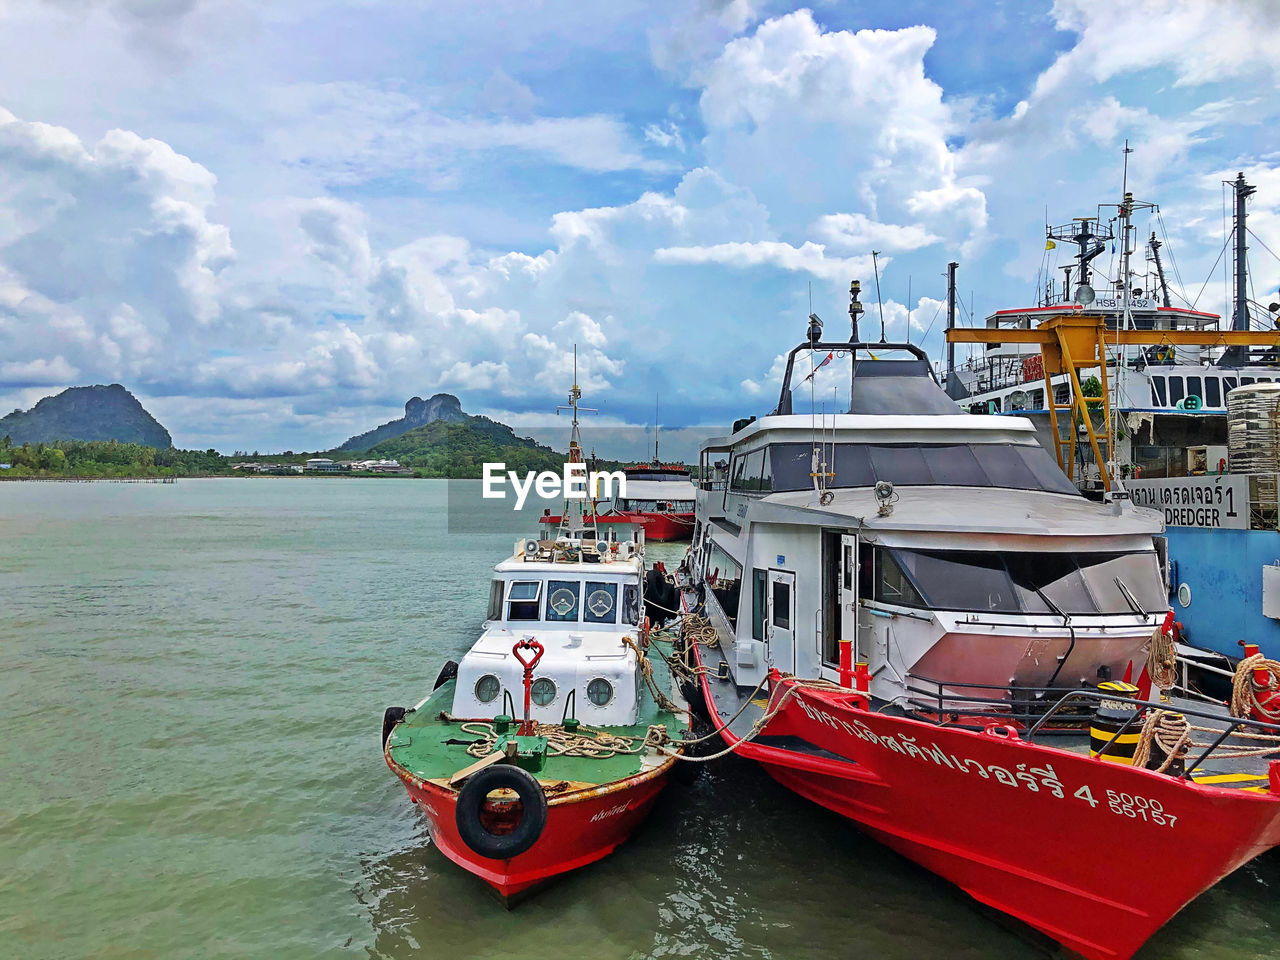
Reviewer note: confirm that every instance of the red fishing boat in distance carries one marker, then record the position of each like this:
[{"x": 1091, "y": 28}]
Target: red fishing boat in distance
[
  {"x": 659, "y": 498},
  {"x": 911, "y": 617},
  {"x": 519, "y": 796}
]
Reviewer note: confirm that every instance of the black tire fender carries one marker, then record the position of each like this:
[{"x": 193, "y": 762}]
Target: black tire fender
[
  {"x": 390, "y": 717},
  {"x": 472, "y": 798},
  {"x": 448, "y": 672}
]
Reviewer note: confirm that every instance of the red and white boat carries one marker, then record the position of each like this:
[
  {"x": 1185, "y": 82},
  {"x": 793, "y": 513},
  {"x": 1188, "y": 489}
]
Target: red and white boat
[
  {"x": 518, "y": 797},
  {"x": 659, "y": 499},
  {"x": 924, "y": 627}
]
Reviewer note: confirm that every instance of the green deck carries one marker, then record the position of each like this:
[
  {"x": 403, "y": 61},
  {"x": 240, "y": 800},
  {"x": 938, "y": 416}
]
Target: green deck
[{"x": 434, "y": 749}]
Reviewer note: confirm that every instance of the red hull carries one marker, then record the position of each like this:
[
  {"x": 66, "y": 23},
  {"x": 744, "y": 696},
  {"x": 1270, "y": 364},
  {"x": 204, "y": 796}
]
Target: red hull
[
  {"x": 1097, "y": 876},
  {"x": 582, "y": 827},
  {"x": 661, "y": 526}
]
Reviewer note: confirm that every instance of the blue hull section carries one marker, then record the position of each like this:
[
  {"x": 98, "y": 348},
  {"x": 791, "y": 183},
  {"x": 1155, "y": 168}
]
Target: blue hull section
[{"x": 1223, "y": 569}]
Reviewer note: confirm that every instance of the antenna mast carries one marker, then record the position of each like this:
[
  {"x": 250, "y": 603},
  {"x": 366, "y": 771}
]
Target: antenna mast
[
  {"x": 954, "y": 388},
  {"x": 572, "y": 521},
  {"x": 1239, "y": 356},
  {"x": 655, "y": 430},
  {"x": 876, "y": 266}
]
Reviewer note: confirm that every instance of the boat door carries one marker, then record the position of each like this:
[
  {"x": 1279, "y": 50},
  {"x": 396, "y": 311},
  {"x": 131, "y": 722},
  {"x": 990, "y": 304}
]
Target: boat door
[
  {"x": 780, "y": 626},
  {"x": 848, "y": 598}
]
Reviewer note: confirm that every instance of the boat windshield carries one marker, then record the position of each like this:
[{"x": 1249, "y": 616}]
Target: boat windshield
[
  {"x": 1084, "y": 583},
  {"x": 788, "y": 466}
]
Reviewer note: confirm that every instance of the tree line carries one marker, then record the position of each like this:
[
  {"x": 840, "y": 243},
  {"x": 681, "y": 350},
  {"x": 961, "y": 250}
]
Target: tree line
[{"x": 109, "y": 458}]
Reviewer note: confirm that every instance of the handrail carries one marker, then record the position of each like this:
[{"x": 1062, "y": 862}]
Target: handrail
[
  {"x": 851, "y": 347},
  {"x": 1234, "y": 724}
]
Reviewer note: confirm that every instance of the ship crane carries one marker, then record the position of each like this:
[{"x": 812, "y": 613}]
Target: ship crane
[{"x": 1073, "y": 340}]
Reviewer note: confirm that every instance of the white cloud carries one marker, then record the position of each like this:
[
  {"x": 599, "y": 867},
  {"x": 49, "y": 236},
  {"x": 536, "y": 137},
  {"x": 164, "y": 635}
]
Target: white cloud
[
  {"x": 858, "y": 231},
  {"x": 809, "y": 257},
  {"x": 353, "y": 132},
  {"x": 1201, "y": 41},
  {"x": 38, "y": 372}
]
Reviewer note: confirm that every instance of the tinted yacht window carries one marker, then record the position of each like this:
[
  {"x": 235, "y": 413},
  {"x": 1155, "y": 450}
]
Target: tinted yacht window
[{"x": 1016, "y": 466}]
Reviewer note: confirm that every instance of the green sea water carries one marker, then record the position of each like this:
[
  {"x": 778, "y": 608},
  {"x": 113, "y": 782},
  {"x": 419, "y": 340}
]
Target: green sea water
[{"x": 192, "y": 679}]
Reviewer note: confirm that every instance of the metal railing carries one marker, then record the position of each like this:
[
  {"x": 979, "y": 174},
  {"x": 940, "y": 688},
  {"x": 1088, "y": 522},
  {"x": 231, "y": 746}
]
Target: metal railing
[
  {"x": 1140, "y": 706},
  {"x": 1037, "y": 712},
  {"x": 967, "y": 700}
]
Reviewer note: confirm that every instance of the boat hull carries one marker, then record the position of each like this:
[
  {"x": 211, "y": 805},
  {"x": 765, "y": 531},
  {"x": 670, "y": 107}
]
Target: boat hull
[
  {"x": 582, "y": 827},
  {"x": 661, "y": 526},
  {"x": 1096, "y": 855}
]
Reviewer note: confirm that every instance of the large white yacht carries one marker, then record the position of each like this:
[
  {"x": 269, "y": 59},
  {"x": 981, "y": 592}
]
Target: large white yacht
[{"x": 922, "y": 625}]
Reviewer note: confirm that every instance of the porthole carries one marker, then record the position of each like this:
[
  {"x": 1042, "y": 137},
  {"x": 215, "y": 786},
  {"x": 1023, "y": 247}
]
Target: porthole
[
  {"x": 543, "y": 691},
  {"x": 1184, "y": 595},
  {"x": 488, "y": 688},
  {"x": 600, "y": 691}
]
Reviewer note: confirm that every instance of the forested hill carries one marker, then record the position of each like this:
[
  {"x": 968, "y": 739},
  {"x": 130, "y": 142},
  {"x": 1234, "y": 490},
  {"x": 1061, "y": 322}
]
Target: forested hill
[
  {"x": 99, "y": 412},
  {"x": 417, "y": 413},
  {"x": 458, "y": 450}
]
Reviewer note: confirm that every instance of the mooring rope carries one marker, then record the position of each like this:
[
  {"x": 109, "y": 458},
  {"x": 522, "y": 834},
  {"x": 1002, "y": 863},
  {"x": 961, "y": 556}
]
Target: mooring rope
[
  {"x": 1162, "y": 660},
  {"x": 1169, "y": 731},
  {"x": 1244, "y": 698}
]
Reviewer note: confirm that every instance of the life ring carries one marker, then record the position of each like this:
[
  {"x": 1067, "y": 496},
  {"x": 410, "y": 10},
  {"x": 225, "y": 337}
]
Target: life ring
[
  {"x": 471, "y": 800},
  {"x": 448, "y": 672},
  {"x": 390, "y": 717}
]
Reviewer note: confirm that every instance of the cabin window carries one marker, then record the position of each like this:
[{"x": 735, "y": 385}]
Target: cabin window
[
  {"x": 1246, "y": 381},
  {"x": 1037, "y": 400},
  {"x": 562, "y": 601},
  {"x": 495, "y": 601},
  {"x": 601, "y": 603},
  {"x": 766, "y": 472},
  {"x": 748, "y": 472},
  {"x": 1159, "y": 396},
  {"x": 630, "y": 603},
  {"x": 1212, "y": 392},
  {"x": 892, "y": 585},
  {"x": 724, "y": 577},
  {"x": 1194, "y": 389},
  {"x": 522, "y": 599},
  {"x": 759, "y": 599},
  {"x": 1229, "y": 384},
  {"x": 1176, "y": 392},
  {"x": 782, "y": 605},
  {"x": 1019, "y": 466}
]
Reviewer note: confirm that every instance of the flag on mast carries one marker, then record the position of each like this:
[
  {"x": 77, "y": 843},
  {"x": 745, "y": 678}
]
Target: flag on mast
[{"x": 825, "y": 361}]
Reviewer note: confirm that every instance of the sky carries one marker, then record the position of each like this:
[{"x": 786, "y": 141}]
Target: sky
[{"x": 275, "y": 223}]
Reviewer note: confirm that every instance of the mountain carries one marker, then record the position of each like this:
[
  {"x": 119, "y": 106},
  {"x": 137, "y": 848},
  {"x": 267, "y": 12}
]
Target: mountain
[
  {"x": 447, "y": 448},
  {"x": 417, "y": 413},
  {"x": 87, "y": 413}
]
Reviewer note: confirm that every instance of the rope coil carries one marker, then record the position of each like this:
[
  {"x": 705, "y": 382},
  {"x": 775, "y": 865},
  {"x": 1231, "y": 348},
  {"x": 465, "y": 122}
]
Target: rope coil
[
  {"x": 1244, "y": 698},
  {"x": 1170, "y": 732}
]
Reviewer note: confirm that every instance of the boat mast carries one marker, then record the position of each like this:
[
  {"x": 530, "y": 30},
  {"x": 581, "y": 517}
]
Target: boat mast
[
  {"x": 955, "y": 389},
  {"x": 1154, "y": 244},
  {"x": 656, "y": 461},
  {"x": 1239, "y": 356},
  {"x": 572, "y": 520}
]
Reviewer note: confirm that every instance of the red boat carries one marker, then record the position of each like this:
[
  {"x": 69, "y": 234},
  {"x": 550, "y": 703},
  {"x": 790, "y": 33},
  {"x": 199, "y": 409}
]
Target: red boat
[
  {"x": 659, "y": 498},
  {"x": 920, "y": 624},
  {"x": 518, "y": 802}
]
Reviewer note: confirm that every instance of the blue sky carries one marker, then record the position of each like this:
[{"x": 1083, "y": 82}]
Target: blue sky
[{"x": 275, "y": 223}]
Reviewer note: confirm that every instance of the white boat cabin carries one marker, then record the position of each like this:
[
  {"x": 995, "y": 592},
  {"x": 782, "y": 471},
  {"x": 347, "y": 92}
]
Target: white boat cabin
[
  {"x": 948, "y": 550},
  {"x": 579, "y": 599}
]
